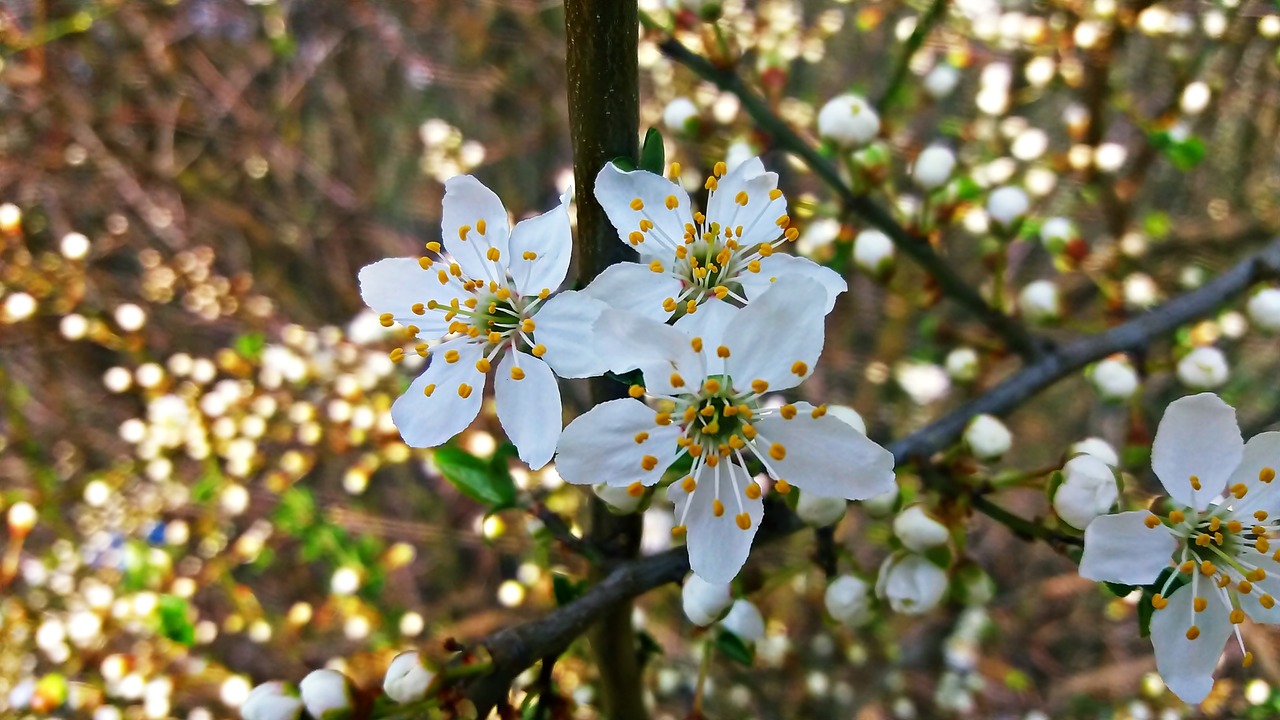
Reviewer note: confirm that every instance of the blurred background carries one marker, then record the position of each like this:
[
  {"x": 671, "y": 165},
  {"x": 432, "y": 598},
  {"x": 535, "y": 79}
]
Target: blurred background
[{"x": 201, "y": 484}]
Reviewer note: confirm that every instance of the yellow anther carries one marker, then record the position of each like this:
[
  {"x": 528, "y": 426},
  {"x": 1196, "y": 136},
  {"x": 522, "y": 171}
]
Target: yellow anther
[
  {"x": 722, "y": 351},
  {"x": 744, "y": 521},
  {"x": 730, "y": 410},
  {"x": 1195, "y": 482},
  {"x": 641, "y": 437},
  {"x": 482, "y": 365},
  {"x": 712, "y": 427},
  {"x": 1245, "y": 587},
  {"x": 656, "y": 266},
  {"x": 1187, "y": 567},
  {"x": 699, "y": 218},
  {"x": 672, "y": 202},
  {"x": 471, "y": 303},
  {"x": 710, "y": 184},
  {"x": 706, "y": 411},
  {"x": 637, "y": 204},
  {"x": 712, "y": 460},
  {"x": 1247, "y": 660},
  {"x": 635, "y": 489},
  {"x": 783, "y": 221},
  {"x": 1198, "y": 604},
  {"x": 1260, "y": 515},
  {"x": 636, "y": 237},
  {"x": 481, "y": 226},
  {"x": 1239, "y": 490},
  {"x": 1152, "y": 521},
  {"x": 1176, "y": 516},
  {"x": 517, "y": 373},
  {"x": 695, "y": 450},
  {"x": 1214, "y": 524},
  {"x": 799, "y": 368},
  {"x": 418, "y": 309},
  {"x": 689, "y": 484},
  {"x": 745, "y": 411},
  {"x": 1203, "y": 540},
  {"x": 451, "y": 356},
  {"x": 669, "y": 304},
  {"x": 1217, "y": 538},
  {"x": 662, "y": 418},
  {"x": 819, "y": 411},
  {"x": 696, "y": 344},
  {"x": 753, "y": 490},
  {"x": 673, "y": 171},
  {"x": 754, "y": 265},
  {"x": 765, "y": 250},
  {"x": 646, "y": 225},
  {"x": 493, "y": 254},
  {"x": 1193, "y": 632},
  {"x": 636, "y": 391},
  {"x": 1264, "y": 545},
  {"x": 1207, "y": 568},
  {"x": 775, "y": 194},
  {"x": 1237, "y": 616},
  {"x": 748, "y": 431},
  {"x": 717, "y": 507},
  {"x": 411, "y": 331},
  {"x": 421, "y": 349},
  {"x": 396, "y": 355},
  {"x": 462, "y": 232},
  {"x": 782, "y": 486},
  {"x": 787, "y": 411},
  {"x": 494, "y": 336},
  {"x": 682, "y": 252},
  {"x": 386, "y": 319},
  {"x": 434, "y": 246},
  {"x": 425, "y": 263},
  {"x": 791, "y": 234},
  {"x": 1234, "y": 526},
  {"x": 1223, "y": 580},
  {"x": 720, "y": 291},
  {"x": 676, "y": 380},
  {"x": 1260, "y": 530},
  {"x": 464, "y": 391},
  {"x": 736, "y": 442},
  {"x": 529, "y": 255},
  {"x": 443, "y": 277},
  {"x": 720, "y": 169},
  {"x": 648, "y": 462},
  {"x": 759, "y": 386},
  {"x": 539, "y": 350},
  {"x": 777, "y": 451},
  {"x": 544, "y": 293},
  {"x": 1266, "y": 474},
  {"x": 429, "y": 389},
  {"x": 455, "y": 269},
  {"x": 1257, "y": 575},
  {"x": 678, "y": 531},
  {"x": 712, "y": 386},
  {"x": 1267, "y": 601},
  {"x": 741, "y": 198},
  {"x": 1159, "y": 601},
  {"x": 527, "y": 325}
]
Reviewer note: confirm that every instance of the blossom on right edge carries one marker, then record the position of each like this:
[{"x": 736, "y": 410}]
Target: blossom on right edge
[
  {"x": 1218, "y": 539},
  {"x": 705, "y": 377}
]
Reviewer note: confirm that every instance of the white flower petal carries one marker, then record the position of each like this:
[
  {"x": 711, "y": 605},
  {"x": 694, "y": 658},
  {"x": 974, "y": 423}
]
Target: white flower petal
[
  {"x": 635, "y": 288},
  {"x": 467, "y": 202},
  {"x": 395, "y": 285},
  {"x": 1261, "y": 453},
  {"x": 778, "y": 336},
  {"x": 427, "y": 421},
  {"x": 550, "y": 241},
  {"x": 781, "y": 264},
  {"x": 709, "y": 324},
  {"x": 1186, "y": 666},
  {"x": 1270, "y": 585},
  {"x": 718, "y": 547},
  {"x": 617, "y": 192},
  {"x": 825, "y": 456},
  {"x": 664, "y": 354},
  {"x": 1121, "y": 548},
  {"x": 758, "y": 217},
  {"x": 600, "y": 446},
  {"x": 529, "y": 408},
  {"x": 1198, "y": 436},
  {"x": 565, "y": 328}
]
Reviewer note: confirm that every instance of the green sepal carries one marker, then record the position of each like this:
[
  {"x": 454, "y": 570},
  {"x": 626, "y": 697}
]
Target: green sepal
[
  {"x": 653, "y": 156},
  {"x": 735, "y": 648}
]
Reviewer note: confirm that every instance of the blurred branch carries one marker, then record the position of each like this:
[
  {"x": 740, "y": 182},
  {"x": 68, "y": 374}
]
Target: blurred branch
[
  {"x": 517, "y": 648},
  {"x": 918, "y": 249},
  {"x": 924, "y": 24}
]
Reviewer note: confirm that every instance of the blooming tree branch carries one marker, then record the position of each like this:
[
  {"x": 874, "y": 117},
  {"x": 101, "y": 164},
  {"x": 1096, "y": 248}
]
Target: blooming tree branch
[
  {"x": 516, "y": 648},
  {"x": 951, "y": 284}
]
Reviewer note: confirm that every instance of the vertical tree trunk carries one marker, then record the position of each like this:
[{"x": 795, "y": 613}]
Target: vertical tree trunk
[{"x": 604, "y": 110}]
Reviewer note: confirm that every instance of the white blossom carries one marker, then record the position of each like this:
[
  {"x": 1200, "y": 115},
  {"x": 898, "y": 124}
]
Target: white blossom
[
  {"x": 1007, "y": 205},
  {"x": 918, "y": 530},
  {"x": 1038, "y": 302},
  {"x": 1264, "y": 309},
  {"x": 848, "y": 416},
  {"x": 407, "y": 678},
  {"x": 941, "y": 81},
  {"x": 987, "y": 437},
  {"x": 848, "y": 600},
  {"x": 873, "y": 252},
  {"x": 274, "y": 700},
  {"x": 745, "y": 621},
  {"x": 489, "y": 302},
  {"x": 704, "y": 602},
  {"x": 911, "y": 583},
  {"x": 1115, "y": 379},
  {"x": 963, "y": 364},
  {"x": 818, "y": 511},
  {"x": 1055, "y": 233},
  {"x": 327, "y": 695},
  {"x": 1203, "y": 368},
  {"x": 933, "y": 167},
  {"x": 1088, "y": 490},
  {"x": 849, "y": 121},
  {"x": 689, "y": 258},
  {"x": 706, "y": 376},
  {"x": 678, "y": 113},
  {"x": 1098, "y": 448},
  {"x": 1217, "y": 540}
]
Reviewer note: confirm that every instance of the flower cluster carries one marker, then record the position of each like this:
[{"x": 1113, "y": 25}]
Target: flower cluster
[{"x": 714, "y": 317}]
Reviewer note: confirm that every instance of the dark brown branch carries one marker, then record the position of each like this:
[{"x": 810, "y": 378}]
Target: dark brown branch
[
  {"x": 517, "y": 648},
  {"x": 918, "y": 249}
]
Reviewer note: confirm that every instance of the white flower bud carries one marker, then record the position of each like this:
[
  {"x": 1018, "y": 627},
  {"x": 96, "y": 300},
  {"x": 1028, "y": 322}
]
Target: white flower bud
[
  {"x": 818, "y": 511},
  {"x": 1140, "y": 291},
  {"x": 1007, "y": 205},
  {"x": 963, "y": 364},
  {"x": 848, "y": 416},
  {"x": 882, "y": 505},
  {"x": 1055, "y": 233},
  {"x": 1088, "y": 490},
  {"x": 1099, "y": 448},
  {"x": 327, "y": 695},
  {"x": 910, "y": 583},
  {"x": 1204, "y": 368},
  {"x": 924, "y": 382},
  {"x": 275, "y": 700},
  {"x": 1264, "y": 309},
  {"x": 848, "y": 121},
  {"x": 987, "y": 437},
  {"x": 618, "y": 498},
  {"x": 941, "y": 81},
  {"x": 1038, "y": 302},
  {"x": 704, "y": 602},
  {"x": 407, "y": 678},
  {"x": 918, "y": 530},
  {"x": 1115, "y": 379},
  {"x": 977, "y": 587},
  {"x": 745, "y": 621},
  {"x": 873, "y": 251},
  {"x": 848, "y": 601},
  {"x": 933, "y": 167},
  {"x": 677, "y": 115}
]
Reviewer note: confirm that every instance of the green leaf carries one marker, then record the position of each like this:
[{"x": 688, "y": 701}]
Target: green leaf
[
  {"x": 250, "y": 345},
  {"x": 734, "y": 648},
  {"x": 475, "y": 478},
  {"x": 175, "y": 620},
  {"x": 1119, "y": 589},
  {"x": 1055, "y": 482},
  {"x": 652, "y": 154},
  {"x": 624, "y": 163},
  {"x": 296, "y": 512},
  {"x": 566, "y": 590},
  {"x": 1184, "y": 153}
]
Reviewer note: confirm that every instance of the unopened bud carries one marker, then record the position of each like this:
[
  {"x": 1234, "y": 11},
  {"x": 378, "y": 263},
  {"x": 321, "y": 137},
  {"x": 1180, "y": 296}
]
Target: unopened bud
[
  {"x": 1099, "y": 448},
  {"x": 918, "y": 530},
  {"x": 1088, "y": 490},
  {"x": 818, "y": 511},
  {"x": 1007, "y": 205},
  {"x": 987, "y": 437},
  {"x": 327, "y": 695},
  {"x": 1204, "y": 368},
  {"x": 848, "y": 600},
  {"x": 745, "y": 621},
  {"x": 873, "y": 252},
  {"x": 910, "y": 583},
  {"x": 704, "y": 602},
  {"x": 407, "y": 678},
  {"x": 848, "y": 120},
  {"x": 941, "y": 80},
  {"x": 963, "y": 364},
  {"x": 274, "y": 700},
  {"x": 1038, "y": 302},
  {"x": 680, "y": 116},
  {"x": 1056, "y": 233},
  {"x": 933, "y": 167},
  {"x": 1115, "y": 379},
  {"x": 1264, "y": 309}
]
